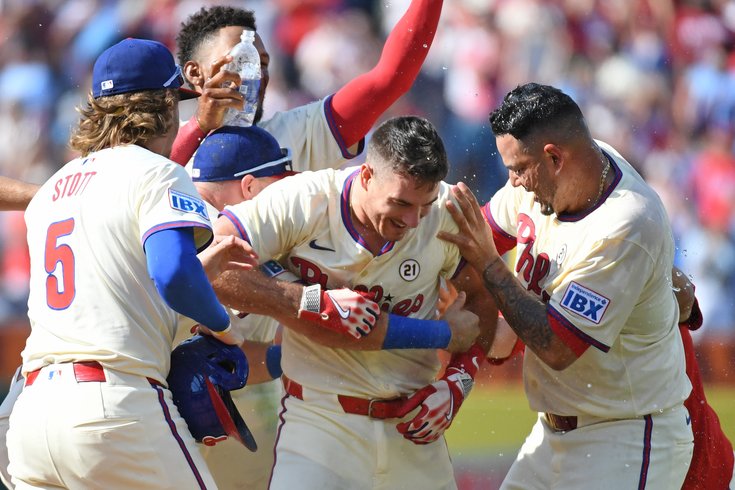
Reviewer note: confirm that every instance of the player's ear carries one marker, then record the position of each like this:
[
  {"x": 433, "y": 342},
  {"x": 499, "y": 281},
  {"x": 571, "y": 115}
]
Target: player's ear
[
  {"x": 554, "y": 155},
  {"x": 366, "y": 174},
  {"x": 246, "y": 185},
  {"x": 193, "y": 73}
]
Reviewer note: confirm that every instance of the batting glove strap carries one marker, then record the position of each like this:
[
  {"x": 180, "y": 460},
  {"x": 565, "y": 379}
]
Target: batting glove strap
[
  {"x": 311, "y": 301},
  {"x": 342, "y": 310},
  {"x": 463, "y": 382}
]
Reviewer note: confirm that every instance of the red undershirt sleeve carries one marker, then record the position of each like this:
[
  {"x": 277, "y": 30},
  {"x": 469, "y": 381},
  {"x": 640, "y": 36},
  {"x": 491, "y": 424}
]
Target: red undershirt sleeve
[
  {"x": 187, "y": 141},
  {"x": 358, "y": 104}
]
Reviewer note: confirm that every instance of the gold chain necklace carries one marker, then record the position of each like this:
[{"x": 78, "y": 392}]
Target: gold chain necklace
[{"x": 602, "y": 181}]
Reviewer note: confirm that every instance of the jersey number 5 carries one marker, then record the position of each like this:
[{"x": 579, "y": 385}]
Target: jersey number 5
[{"x": 55, "y": 254}]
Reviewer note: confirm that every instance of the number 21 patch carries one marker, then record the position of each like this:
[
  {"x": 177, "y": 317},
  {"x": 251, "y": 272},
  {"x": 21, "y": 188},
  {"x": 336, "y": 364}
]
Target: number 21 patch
[{"x": 585, "y": 302}]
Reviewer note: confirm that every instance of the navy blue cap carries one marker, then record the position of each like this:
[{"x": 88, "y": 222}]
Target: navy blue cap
[
  {"x": 232, "y": 152},
  {"x": 136, "y": 65}
]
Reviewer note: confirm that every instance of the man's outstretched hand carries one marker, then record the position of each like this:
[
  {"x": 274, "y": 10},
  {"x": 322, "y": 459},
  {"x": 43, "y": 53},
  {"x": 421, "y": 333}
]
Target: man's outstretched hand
[{"x": 474, "y": 239}]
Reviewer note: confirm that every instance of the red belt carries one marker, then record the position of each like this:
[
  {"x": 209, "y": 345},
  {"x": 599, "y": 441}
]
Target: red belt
[
  {"x": 561, "y": 423},
  {"x": 83, "y": 372},
  {"x": 373, "y": 408}
]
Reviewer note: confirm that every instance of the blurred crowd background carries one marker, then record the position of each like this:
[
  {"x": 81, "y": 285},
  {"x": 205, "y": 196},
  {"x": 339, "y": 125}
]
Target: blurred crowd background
[{"x": 655, "y": 78}]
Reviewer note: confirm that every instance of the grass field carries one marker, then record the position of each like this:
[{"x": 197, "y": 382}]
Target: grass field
[{"x": 494, "y": 422}]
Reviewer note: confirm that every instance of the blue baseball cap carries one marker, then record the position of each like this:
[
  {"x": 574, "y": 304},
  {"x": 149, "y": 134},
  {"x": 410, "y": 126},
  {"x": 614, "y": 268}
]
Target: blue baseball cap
[
  {"x": 136, "y": 65},
  {"x": 232, "y": 152}
]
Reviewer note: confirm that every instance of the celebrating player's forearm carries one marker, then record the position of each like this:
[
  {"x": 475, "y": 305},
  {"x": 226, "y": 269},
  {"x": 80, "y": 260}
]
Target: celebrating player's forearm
[
  {"x": 15, "y": 195},
  {"x": 525, "y": 313},
  {"x": 251, "y": 291}
]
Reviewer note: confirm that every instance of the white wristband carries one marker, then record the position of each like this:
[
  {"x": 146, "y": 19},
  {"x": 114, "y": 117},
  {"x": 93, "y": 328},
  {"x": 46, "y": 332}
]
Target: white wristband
[{"x": 311, "y": 298}]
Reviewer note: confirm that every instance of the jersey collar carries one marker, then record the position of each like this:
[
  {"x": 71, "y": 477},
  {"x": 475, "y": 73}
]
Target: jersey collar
[{"x": 347, "y": 216}]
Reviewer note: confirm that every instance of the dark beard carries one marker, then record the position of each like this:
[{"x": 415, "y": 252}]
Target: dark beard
[
  {"x": 546, "y": 209},
  {"x": 259, "y": 112}
]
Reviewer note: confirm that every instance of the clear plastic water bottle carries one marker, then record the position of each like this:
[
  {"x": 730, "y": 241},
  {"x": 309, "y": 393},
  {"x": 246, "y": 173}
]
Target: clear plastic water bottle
[{"x": 246, "y": 62}]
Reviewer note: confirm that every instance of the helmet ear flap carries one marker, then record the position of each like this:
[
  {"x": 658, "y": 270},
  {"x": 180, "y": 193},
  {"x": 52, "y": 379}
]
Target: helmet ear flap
[
  {"x": 203, "y": 372},
  {"x": 229, "y": 417}
]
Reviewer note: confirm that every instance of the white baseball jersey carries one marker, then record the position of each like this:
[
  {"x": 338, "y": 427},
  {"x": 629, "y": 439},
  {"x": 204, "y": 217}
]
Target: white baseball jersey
[
  {"x": 606, "y": 278},
  {"x": 311, "y": 134},
  {"x": 91, "y": 297},
  {"x": 305, "y": 222}
]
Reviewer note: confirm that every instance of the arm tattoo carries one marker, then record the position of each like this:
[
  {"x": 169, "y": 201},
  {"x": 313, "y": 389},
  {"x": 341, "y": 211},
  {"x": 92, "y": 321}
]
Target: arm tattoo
[{"x": 525, "y": 314}]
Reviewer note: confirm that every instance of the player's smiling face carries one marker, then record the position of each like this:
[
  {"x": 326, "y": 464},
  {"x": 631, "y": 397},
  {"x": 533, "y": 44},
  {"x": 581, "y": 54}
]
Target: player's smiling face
[
  {"x": 396, "y": 203},
  {"x": 527, "y": 169}
]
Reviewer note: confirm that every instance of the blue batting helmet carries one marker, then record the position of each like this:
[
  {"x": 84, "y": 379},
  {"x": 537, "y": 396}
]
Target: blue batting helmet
[{"x": 203, "y": 372}]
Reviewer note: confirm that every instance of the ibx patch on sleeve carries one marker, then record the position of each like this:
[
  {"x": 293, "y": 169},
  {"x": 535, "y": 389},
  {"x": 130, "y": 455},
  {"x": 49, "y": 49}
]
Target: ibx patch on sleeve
[
  {"x": 585, "y": 302},
  {"x": 187, "y": 204}
]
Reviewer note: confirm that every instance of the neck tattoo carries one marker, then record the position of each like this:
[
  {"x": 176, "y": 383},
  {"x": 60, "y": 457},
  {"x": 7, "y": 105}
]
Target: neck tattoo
[{"x": 602, "y": 181}]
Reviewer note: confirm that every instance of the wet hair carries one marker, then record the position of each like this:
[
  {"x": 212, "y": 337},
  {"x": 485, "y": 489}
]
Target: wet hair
[
  {"x": 409, "y": 146},
  {"x": 534, "y": 108},
  {"x": 130, "y": 118},
  {"x": 204, "y": 24}
]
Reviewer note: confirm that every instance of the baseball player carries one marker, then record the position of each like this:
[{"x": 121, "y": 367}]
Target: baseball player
[
  {"x": 321, "y": 134},
  {"x": 371, "y": 229},
  {"x": 113, "y": 237},
  {"x": 234, "y": 164},
  {"x": 712, "y": 459},
  {"x": 591, "y": 300},
  {"x": 14, "y": 196}
]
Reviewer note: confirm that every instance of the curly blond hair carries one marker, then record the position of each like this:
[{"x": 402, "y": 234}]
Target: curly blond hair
[{"x": 130, "y": 118}]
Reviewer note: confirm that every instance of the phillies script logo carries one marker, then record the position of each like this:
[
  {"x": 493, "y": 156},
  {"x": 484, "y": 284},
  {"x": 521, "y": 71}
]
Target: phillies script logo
[
  {"x": 532, "y": 269},
  {"x": 312, "y": 274}
]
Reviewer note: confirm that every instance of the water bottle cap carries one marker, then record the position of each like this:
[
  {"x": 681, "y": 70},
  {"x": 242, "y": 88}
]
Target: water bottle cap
[{"x": 247, "y": 35}]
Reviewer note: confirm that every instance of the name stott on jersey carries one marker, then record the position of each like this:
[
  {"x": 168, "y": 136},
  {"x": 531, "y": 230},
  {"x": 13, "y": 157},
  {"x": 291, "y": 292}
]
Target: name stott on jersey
[
  {"x": 87, "y": 226},
  {"x": 305, "y": 222},
  {"x": 605, "y": 276}
]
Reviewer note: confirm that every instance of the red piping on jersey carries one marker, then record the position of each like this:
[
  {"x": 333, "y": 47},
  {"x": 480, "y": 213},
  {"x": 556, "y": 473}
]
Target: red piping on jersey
[
  {"x": 503, "y": 241},
  {"x": 178, "y": 224},
  {"x": 334, "y": 128},
  {"x": 237, "y": 224},
  {"x": 575, "y": 338}
]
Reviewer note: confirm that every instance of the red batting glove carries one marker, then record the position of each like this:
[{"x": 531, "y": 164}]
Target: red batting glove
[
  {"x": 343, "y": 310},
  {"x": 440, "y": 401}
]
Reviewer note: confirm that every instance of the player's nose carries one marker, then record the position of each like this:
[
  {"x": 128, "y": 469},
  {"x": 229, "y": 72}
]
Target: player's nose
[{"x": 412, "y": 218}]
